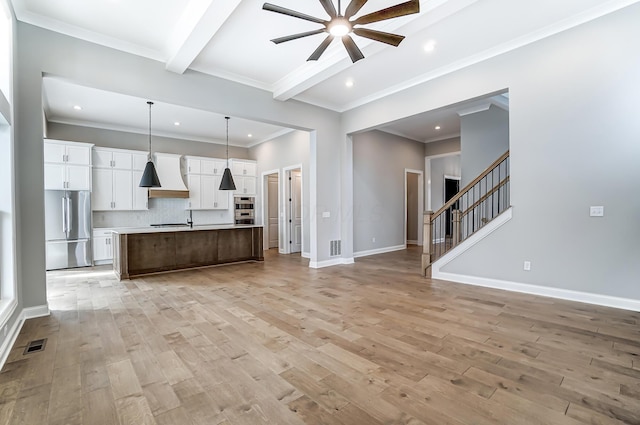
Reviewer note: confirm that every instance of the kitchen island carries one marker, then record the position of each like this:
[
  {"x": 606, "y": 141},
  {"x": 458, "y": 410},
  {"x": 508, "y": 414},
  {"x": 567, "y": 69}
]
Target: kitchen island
[{"x": 142, "y": 251}]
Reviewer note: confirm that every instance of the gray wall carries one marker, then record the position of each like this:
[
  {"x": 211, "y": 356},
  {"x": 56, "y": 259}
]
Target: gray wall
[
  {"x": 379, "y": 161},
  {"x": 412, "y": 207},
  {"x": 140, "y": 142},
  {"x": 285, "y": 151},
  {"x": 484, "y": 136},
  {"x": 574, "y": 135},
  {"x": 446, "y": 165},
  {"x": 442, "y": 147}
]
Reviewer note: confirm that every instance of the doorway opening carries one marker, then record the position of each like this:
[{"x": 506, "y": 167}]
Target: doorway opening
[
  {"x": 271, "y": 210},
  {"x": 451, "y": 188},
  {"x": 413, "y": 206},
  {"x": 293, "y": 209}
]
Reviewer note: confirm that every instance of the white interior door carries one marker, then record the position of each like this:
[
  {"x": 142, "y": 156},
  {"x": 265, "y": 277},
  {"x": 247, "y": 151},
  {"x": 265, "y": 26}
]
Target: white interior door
[
  {"x": 295, "y": 190},
  {"x": 272, "y": 205}
]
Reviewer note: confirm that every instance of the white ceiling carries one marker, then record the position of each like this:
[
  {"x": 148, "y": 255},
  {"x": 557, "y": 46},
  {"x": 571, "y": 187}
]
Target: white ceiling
[
  {"x": 114, "y": 111},
  {"x": 230, "y": 39}
]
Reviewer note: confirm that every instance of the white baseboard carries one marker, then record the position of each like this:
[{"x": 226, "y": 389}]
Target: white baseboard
[
  {"x": 12, "y": 335},
  {"x": 306, "y": 255},
  {"x": 326, "y": 263},
  {"x": 37, "y": 311},
  {"x": 329, "y": 263},
  {"x": 379, "y": 251},
  {"x": 8, "y": 342},
  {"x": 545, "y": 291}
]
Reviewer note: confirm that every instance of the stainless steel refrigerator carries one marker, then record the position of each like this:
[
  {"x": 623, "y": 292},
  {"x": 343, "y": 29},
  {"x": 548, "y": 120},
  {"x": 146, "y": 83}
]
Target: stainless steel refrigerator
[{"x": 68, "y": 228}]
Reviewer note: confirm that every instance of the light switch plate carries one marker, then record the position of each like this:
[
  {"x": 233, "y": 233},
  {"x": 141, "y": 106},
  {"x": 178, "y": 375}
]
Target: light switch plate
[
  {"x": 527, "y": 266},
  {"x": 597, "y": 211},
  {"x": 326, "y": 214}
]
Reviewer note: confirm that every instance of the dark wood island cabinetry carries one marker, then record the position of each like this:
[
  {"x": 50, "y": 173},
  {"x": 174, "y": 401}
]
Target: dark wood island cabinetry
[{"x": 138, "y": 252}]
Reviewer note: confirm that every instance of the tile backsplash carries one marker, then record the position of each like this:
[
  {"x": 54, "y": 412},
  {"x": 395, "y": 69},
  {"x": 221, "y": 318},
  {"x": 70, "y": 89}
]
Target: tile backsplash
[{"x": 160, "y": 211}]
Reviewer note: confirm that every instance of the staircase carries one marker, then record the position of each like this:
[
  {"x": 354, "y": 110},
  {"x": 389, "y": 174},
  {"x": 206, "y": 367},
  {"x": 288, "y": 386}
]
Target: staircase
[{"x": 475, "y": 205}]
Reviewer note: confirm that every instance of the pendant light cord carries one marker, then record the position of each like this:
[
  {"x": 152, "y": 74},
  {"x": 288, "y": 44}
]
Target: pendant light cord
[
  {"x": 149, "y": 103},
  {"x": 227, "y": 118}
]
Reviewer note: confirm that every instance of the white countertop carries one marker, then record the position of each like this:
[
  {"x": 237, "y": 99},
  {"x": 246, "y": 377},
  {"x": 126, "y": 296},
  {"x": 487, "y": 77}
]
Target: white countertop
[{"x": 150, "y": 229}]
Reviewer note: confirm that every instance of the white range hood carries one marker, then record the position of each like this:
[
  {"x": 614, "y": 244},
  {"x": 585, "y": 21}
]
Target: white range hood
[{"x": 168, "y": 169}]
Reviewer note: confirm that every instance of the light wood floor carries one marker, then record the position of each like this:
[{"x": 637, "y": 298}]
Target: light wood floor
[{"x": 278, "y": 343}]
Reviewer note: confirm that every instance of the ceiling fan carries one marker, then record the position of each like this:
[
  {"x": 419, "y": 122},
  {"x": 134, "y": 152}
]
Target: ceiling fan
[{"x": 342, "y": 25}]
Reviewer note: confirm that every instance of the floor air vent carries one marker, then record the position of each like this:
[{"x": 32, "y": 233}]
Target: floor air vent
[
  {"x": 336, "y": 248},
  {"x": 35, "y": 346}
]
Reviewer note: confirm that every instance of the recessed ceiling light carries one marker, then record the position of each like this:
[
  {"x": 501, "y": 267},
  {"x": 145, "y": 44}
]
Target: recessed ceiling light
[
  {"x": 430, "y": 46},
  {"x": 177, "y": 124},
  {"x": 249, "y": 135},
  {"x": 349, "y": 83},
  {"x": 77, "y": 108},
  {"x": 438, "y": 127}
]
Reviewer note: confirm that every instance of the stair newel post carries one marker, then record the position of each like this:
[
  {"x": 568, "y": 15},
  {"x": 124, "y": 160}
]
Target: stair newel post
[
  {"x": 427, "y": 242},
  {"x": 457, "y": 227}
]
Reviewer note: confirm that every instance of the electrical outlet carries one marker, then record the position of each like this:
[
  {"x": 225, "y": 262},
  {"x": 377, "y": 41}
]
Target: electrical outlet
[
  {"x": 527, "y": 266},
  {"x": 373, "y": 240},
  {"x": 597, "y": 211}
]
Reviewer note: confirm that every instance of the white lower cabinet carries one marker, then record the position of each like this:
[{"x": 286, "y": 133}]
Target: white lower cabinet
[{"x": 102, "y": 246}]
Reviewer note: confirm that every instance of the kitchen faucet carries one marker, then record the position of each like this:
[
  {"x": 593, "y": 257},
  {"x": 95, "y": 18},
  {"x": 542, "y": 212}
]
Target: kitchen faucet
[{"x": 190, "y": 219}]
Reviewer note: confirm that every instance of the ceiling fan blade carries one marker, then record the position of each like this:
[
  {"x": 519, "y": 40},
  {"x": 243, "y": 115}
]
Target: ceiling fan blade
[
  {"x": 354, "y": 52},
  {"x": 396, "y": 11},
  {"x": 283, "y": 10},
  {"x": 297, "y": 36},
  {"x": 383, "y": 37},
  {"x": 354, "y": 7},
  {"x": 329, "y": 7},
  {"x": 321, "y": 48}
]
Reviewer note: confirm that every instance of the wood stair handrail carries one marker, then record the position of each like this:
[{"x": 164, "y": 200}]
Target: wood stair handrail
[{"x": 470, "y": 185}]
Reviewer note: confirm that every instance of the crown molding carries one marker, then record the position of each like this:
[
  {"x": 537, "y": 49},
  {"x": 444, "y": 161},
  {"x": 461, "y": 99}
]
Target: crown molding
[
  {"x": 474, "y": 109},
  {"x": 125, "y": 129},
  {"x": 23, "y": 15}
]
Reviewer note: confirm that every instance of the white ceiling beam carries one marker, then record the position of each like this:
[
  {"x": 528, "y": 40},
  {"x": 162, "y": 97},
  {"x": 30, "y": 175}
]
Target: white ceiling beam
[
  {"x": 198, "y": 24},
  {"x": 335, "y": 60}
]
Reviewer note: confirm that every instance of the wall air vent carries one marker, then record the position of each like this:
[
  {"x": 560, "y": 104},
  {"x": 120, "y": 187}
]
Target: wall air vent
[{"x": 335, "y": 248}]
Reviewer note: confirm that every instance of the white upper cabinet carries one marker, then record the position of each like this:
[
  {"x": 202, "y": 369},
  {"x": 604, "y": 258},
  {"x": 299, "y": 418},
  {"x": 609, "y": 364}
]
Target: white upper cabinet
[
  {"x": 61, "y": 152},
  {"x": 112, "y": 158},
  {"x": 116, "y": 175},
  {"x": 243, "y": 167},
  {"x": 244, "y": 176},
  {"x": 203, "y": 177},
  {"x": 67, "y": 165},
  {"x": 139, "y": 161}
]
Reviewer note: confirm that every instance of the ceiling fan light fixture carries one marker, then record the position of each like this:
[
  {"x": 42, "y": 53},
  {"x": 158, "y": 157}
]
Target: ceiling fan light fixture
[
  {"x": 342, "y": 26},
  {"x": 339, "y": 27}
]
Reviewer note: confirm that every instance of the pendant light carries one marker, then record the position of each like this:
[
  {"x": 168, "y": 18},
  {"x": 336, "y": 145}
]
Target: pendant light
[
  {"x": 149, "y": 176},
  {"x": 227, "y": 179}
]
